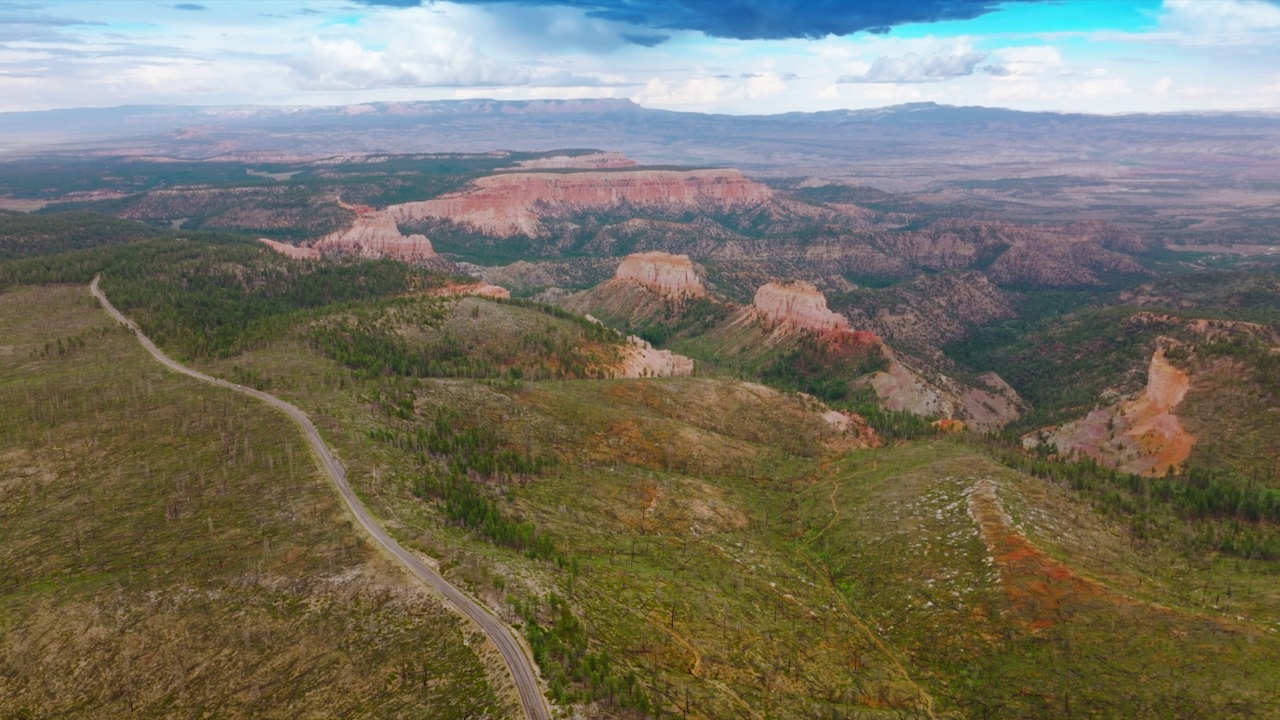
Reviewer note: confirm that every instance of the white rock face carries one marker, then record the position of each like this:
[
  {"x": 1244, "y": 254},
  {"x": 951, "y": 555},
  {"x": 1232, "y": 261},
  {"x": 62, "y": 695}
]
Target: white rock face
[
  {"x": 293, "y": 251},
  {"x": 643, "y": 360},
  {"x": 375, "y": 235},
  {"x": 672, "y": 276},
  {"x": 798, "y": 305}
]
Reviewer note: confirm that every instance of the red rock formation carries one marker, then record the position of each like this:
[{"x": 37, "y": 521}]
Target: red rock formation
[
  {"x": 854, "y": 426},
  {"x": 374, "y": 234},
  {"x": 512, "y": 204},
  {"x": 799, "y": 306},
  {"x": 671, "y": 276},
  {"x": 1140, "y": 435}
]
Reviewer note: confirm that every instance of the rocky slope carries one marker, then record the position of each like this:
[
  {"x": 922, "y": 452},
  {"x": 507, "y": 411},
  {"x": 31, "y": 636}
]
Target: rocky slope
[
  {"x": 642, "y": 360},
  {"x": 646, "y": 288},
  {"x": 986, "y": 406},
  {"x": 480, "y": 289},
  {"x": 296, "y": 252},
  {"x": 930, "y": 311},
  {"x": 1139, "y": 435},
  {"x": 515, "y": 203}
]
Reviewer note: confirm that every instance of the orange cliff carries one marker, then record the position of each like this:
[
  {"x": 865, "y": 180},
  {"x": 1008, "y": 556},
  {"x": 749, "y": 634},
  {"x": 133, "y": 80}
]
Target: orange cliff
[
  {"x": 671, "y": 276},
  {"x": 514, "y": 203},
  {"x": 1141, "y": 435}
]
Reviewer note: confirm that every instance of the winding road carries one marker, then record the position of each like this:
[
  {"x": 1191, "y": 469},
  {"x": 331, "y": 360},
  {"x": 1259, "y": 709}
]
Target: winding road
[{"x": 518, "y": 662}]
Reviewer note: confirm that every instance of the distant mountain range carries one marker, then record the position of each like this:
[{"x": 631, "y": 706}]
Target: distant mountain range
[{"x": 904, "y": 147}]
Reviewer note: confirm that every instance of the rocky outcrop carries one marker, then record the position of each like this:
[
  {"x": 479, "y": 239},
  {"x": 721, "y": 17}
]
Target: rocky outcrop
[
  {"x": 984, "y": 408},
  {"x": 513, "y": 204},
  {"x": 592, "y": 161},
  {"x": 372, "y": 235},
  {"x": 375, "y": 235},
  {"x": 641, "y": 360},
  {"x": 294, "y": 251},
  {"x": 1140, "y": 435},
  {"x": 671, "y": 276},
  {"x": 853, "y": 427},
  {"x": 480, "y": 289},
  {"x": 798, "y": 306}
]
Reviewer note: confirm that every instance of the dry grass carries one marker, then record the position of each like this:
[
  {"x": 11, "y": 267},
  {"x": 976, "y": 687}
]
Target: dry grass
[{"x": 171, "y": 550}]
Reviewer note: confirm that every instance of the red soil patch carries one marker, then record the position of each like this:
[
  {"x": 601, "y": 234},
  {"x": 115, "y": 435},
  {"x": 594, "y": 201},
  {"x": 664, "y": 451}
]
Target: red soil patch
[{"x": 1039, "y": 586}]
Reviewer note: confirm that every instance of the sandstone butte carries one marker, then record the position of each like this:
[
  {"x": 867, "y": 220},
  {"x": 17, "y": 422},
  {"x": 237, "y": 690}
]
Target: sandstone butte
[
  {"x": 671, "y": 276},
  {"x": 798, "y": 306},
  {"x": 1140, "y": 435},
  {"x": 513, "y": 203},
  {"x": 373, "y": 234}
]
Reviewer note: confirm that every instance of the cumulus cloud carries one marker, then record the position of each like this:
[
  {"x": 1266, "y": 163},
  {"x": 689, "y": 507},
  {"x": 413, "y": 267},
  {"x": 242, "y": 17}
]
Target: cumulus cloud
[
  {"x": 1198, "y": 18},
  {"x": 695, "y": 91},
  {"x": 447, "y": 59},
  {"x": 761, "y": 19},
  {"x": 916, "y": 68}
]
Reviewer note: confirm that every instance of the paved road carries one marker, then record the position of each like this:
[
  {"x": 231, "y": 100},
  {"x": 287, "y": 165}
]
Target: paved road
[{"x": 518, "y": 662}]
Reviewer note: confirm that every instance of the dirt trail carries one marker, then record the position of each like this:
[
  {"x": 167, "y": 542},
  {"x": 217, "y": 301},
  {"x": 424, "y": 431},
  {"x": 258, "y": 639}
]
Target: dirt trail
[
  {"x": 696, "y": 668},
  {"x": 519, "y": 663},
  {"x": 925, "y": 698}
]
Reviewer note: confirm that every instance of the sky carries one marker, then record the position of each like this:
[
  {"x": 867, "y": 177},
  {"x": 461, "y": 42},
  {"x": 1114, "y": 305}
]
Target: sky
[{"x": 730, "y": 56}]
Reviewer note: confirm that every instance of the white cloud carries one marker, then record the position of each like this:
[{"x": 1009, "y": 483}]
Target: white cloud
[
  {"x": 1219, "y": 17},
  {"x": 695, "y": 91},
  {"x": 765, "y": 85},
  {"x": 1028, "y": 59},
  {"x": 915, "y": 68},
  {"x": 441, "y": 57}
]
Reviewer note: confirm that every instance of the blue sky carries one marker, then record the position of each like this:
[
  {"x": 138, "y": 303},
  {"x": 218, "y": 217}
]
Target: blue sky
[{"x": 736, "y": 56}]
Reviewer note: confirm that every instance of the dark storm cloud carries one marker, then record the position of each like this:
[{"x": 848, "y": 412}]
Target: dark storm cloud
[
  {"x": 760, "y": 19},
  {"x": 644, "y": 39}
]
